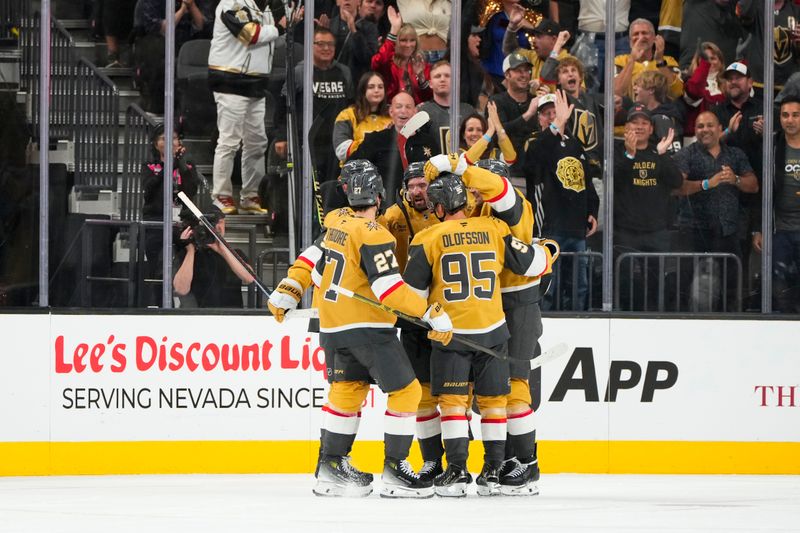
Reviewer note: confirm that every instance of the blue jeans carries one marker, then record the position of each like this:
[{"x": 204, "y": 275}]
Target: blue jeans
[
  {"x": 570, "y": 283},
  {"x": 785, "y": 268}
]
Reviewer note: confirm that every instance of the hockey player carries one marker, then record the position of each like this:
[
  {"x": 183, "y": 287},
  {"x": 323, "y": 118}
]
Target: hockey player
[
  {"x": 457, "y": 263},
  {"x": 404, "y": 220},
  {"x": 520, "y": 296},
  {"x": 359, "y": 255}
]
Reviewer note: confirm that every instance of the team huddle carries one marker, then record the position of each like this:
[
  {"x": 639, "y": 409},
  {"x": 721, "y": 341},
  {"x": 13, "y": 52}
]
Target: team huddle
[{"x": 456, "y": 260}]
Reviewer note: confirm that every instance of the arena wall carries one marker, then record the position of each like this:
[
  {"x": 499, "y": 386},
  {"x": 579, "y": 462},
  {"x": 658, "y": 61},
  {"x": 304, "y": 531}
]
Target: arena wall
[{"x": 114, "y": 394}]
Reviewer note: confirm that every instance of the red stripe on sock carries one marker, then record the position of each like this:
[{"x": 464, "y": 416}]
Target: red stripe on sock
[
  {"x": 493, "y": 421},
  {"x": 521, "y": 415},
  {"x": 426, "y": 418},
  {"x": 453, "y": 418},
  {"x": 327, "y": 409}
]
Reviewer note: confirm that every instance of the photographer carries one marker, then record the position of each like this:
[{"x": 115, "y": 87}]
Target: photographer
[
  {"x": 208, "y": 271},
  {"x": 184, "y": 179}
]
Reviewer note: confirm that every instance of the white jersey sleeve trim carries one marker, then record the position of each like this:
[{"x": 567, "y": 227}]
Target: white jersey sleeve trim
[{"x": 539, "y": 263}]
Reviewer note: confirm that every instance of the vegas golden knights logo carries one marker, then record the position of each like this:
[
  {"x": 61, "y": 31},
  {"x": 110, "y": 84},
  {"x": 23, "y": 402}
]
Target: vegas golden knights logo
[
  {"x": 570, "y": 173},
  {"x": 585, "y": 128},
  {"x": 783, "y": 45},
  {"x": 642, "y": 173}
]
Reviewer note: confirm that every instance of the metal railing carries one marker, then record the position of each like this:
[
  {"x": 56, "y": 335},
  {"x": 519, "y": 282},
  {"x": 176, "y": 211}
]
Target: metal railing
[
  {"x": 96, "y": 129},
  {"x": 566, "y": 290},
  {"x": 62, "y": 75},
  {"x": 678, "y": 282},
  {"x": 277, "y": 271},
  {"x": 87, "y": 253},
  {"x": 138, "y": 129}
]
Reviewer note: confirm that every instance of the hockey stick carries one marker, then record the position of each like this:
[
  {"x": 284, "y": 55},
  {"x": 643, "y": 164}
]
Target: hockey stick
[
  {"x": 559, "y": 350},
  {"x": 211, "y": 229},
  {"x": 410, "y": 128},
  {"x": 414, "y": 320}
]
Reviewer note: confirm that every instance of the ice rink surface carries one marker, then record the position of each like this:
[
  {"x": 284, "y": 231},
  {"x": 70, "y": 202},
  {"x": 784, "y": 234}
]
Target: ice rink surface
[{"x": 267, "y": 503}]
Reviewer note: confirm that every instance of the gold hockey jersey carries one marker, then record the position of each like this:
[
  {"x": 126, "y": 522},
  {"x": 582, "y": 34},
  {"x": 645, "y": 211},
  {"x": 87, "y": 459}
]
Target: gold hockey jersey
[
  {"x": 359, "y": 255},
  {"x": 507, "y": 203},
  {"x": 458, "y": 263},
  {"x": 397, "y": 219}
]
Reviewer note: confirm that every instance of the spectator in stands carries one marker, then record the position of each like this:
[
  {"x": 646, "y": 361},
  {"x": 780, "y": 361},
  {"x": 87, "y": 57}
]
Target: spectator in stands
[
  {"x": 547, "y": 48},
  {"x": 516, "y": 107},
  {"x": 150, "y": 27},
  {"x": 704, "y": 88},
  {"x": 333, "y": 91},
  {"x": 710, "y": 21},
  {"x": 650, "y": 90},
  {"x": 207, "y": 270},
  {"x": 644, "y": 180},
  {"x": 431, "y": 20},
  {"x": 476, "y": 84},
  {"x": 184, "y": 179},
  {"x": 786, "y": 32},
  {"x": 369, "y": 113},
  {"x": 592, "y": 24},
  {"x": 239, "y": 62},
  {"x": 400, "y": 63},
  {"x": 375, "y": 10},
  {"x": 714, "y": 176},
  {"x": 380, "y": 147},
  {"x": 586, "y": 121},
  {"x": 476, "y": 137},
  {"x": 356, "y": 37},
  {"x": 117, "y": 17},
  {"x": 494, "y": 16},
  {"x": 786, "y": 208},
  {"x": 741, "y": 114},
  {"x": 438, "y": 108},
  {"x": 647, "y": 53},
  {"x": 559, "y": 184}
]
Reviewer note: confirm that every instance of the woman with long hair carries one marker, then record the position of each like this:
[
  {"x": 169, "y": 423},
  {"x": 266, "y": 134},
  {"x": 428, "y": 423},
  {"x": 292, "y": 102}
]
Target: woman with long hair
[
  {"x": 400, "y": 62},
  {"x": 476, "y": 138},
  {"x": 705, "y": 87},
  {"x": 369, "y": 113}
]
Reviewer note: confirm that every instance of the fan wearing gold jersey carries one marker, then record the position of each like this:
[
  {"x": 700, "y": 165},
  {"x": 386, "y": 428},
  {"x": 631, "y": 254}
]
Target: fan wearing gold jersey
[
  {"x": 458, "y": 263},
  {"x": 359, "y": 255},
  {"x": 520, "y": 295}
]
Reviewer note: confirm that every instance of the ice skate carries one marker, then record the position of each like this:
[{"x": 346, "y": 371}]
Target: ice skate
[
  {"x": 488, "y": 481},
  {"x": 452, "y": 483},
  {"x": 400, "y": 481},
  {"x": 521, "y": 481},
  {"x": 337, "y": 477},
  {"x": 431, "y": 469}
]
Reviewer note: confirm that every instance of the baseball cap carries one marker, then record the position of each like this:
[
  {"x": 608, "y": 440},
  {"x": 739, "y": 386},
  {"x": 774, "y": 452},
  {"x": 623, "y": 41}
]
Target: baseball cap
[
  {"x": 546, "y": 27},
  {"x": 514, "y": 60},
  {"x": 546, "y": 99},
  {"x": 639, "y": 110},
  {"x": 739, "y": 67}
]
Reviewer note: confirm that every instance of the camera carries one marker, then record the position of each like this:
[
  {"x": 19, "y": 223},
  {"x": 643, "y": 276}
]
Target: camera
[{"x": 201, "y": 237}]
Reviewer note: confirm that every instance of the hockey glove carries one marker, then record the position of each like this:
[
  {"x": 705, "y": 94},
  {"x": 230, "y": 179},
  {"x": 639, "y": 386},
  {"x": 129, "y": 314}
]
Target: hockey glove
[
  {"x": 439, "y": 321},
  {"x": 551, "y": 249},
  {"x": 284, "y": 298},
  {"x": 437, "y": 164}
]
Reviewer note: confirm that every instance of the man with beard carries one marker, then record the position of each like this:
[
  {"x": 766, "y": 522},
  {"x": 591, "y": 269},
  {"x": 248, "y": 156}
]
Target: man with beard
[
  {"x": 741, "y": 114},
  {"x": 380, "y": 147},
  {"x": 409, "y": 216},
  {"x": 547, "y": 48}
]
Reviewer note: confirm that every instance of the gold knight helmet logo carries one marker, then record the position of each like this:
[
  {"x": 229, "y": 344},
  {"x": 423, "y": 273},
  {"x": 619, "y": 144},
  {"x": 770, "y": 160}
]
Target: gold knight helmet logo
[
  {"x": 783, "y": 45},
  {"x": 570, "y": 173}
]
